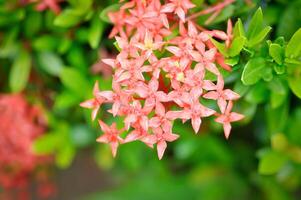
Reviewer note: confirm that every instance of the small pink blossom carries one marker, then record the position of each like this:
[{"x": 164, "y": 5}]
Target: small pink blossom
[
  {"x": 160, "y": 138},
  {"x": 180, "y": 7},
  {"x": 94, "y": 103},
  {"x": 227, "y": 118},
  {"x": 110, "y": 136},
  {"x": 221, "y": 95}
]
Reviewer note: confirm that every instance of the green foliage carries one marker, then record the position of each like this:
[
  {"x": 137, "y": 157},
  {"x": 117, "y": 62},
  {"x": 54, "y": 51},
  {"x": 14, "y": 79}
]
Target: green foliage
[
  {"x": 48, "y": 58},
  {"x": 20, "y": 70}
]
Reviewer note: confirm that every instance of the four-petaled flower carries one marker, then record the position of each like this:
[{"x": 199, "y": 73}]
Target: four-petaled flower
[
  {"x": 221, "y": 95},
  {"x": 228, "y": 117},
  {"x": 160, "y": 138},
  {"x": 94, "y": 103},
  {"x": 111, "y": 136}
]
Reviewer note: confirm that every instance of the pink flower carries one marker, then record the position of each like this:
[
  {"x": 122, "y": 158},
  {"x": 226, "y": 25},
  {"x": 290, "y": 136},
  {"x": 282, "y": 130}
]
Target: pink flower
[
  {"x": 180, "y": 7},
  {"x": 161, "y": 119},
  {"x": 160, "y": 138},
  {"x": 149, "y": 46},
  {"x": 227, "y": 118},
  {"x": 137, "y": 114},
  {"x": 192, "y": 110},
  {"x": 150, "y": 93},
  {"x": 110, "y": 136},
  {"x": 221, "y": 95},
  {"x": 94, "y": 103}
]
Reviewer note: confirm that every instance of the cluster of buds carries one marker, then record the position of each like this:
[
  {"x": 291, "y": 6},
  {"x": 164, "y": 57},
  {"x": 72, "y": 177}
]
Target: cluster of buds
[
  {"x": 160, "y": 74},
  {"x": 20, "y": 124}
]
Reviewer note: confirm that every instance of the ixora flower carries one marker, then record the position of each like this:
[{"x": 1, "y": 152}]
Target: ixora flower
[
  {"x": 20, "y": 124},
  {"x": 157, "y": 80}
]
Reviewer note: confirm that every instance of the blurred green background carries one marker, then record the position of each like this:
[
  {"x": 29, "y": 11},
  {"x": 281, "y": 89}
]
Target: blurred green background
[{"x": 54, "y": 59}]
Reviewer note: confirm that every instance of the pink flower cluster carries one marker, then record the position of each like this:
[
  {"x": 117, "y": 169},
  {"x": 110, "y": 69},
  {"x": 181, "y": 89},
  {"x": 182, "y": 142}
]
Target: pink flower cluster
[
  {"x": 160, "y": 76},
  {"x": 20, "y": 124}
]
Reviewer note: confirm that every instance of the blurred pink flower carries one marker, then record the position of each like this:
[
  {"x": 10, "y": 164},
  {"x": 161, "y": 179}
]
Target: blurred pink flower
[{"x": 20, "y": 125}]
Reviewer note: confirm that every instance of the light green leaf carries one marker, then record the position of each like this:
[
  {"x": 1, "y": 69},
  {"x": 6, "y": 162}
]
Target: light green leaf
[
  {"x": 277, "y": 53},
  {"x": 95, "y": 32},
  {"x": 293, "y": 48},
  {"x": 238, "y": 29},
  {"x": 67, "y": 18},
  {"x": 252, "y": 71},
  {"x": 46, "y": 144},
  {"x": 259, "y": 37},
  {"x": 75, "y": 81},
  {"x": 45, "y": 43},
  {"x": 255, "y": 24},
  {"x": 236, "y": 46},
  {"x": 64, "y": 156},
  {"x": 220, "y": 46},
  {"x": 20, "y": 71},
  {"x": 51, "y": 63},
  {"x": 271, "y": 162},
  {"x": 295, "y": 82}
]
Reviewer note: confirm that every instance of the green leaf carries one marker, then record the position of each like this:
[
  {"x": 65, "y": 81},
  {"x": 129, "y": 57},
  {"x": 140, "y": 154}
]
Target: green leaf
[
  {"x": 236, "y": 46},
  {"x": 51, "y": 63},
  {"x": 104, "y": 14},
  {"x": 20, "y": 71},
  {"x": 75, "y": 81},
  {"x": 95, "y": 32},
  {"x": 255, "y": 24},
  {"x": 273, "y": 115},
  {"x": 220, "y": 46},
  {"x": 279, "y": 92},
  {"x": 66, "y": 100},
  {"x": 67, "y": 18},
  {"x": 82, "y": 135},
  {"x": 46, "y": 144},
  {"x": 64, "y": 156},
  {"x": 252, "y": 71},
  {"x": 258, "y": 37},
  {"x": 293, "y": 48},
  {"x": 294, "y": 81},
  {"x": 271, "y": 162},
  {"x": 277, "y": 53},
  {"x": 45, "y": 43},
  {"x": 257, "y": 94},
  {"x": 32, "y": 23},
  {"x": 238, "y": 29}
]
